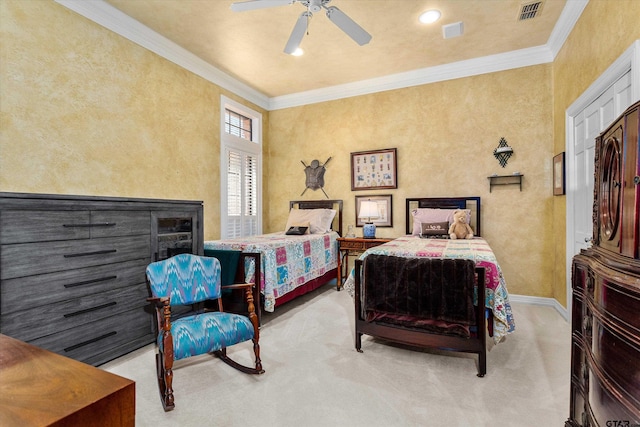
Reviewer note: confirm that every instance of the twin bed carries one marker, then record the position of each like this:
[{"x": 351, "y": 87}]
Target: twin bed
[
  {"x": 423, "y": 289},
  {"x": 293, "y": 265}
]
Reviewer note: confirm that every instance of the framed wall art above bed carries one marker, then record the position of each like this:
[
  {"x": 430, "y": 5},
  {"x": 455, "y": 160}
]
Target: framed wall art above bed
[
  {"x": 374, "y": 170},
  {"x": 385, "y": 210}
]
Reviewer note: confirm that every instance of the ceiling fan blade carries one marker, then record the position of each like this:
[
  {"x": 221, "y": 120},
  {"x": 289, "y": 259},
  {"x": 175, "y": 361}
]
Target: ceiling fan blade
[
  {"x": 348, "y": 25},
  {"x": 243, "y": 6},
  {"x": 298, "y": 33}
]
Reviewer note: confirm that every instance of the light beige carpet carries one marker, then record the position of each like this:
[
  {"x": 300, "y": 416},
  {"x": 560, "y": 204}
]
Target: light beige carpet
[{"x": 315, "y": 377}]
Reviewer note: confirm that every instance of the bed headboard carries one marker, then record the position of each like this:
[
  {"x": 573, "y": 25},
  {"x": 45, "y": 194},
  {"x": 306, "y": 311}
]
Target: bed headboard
[
  {"x": 322, "y": 204},
  {"x": 471, "y": 203}
]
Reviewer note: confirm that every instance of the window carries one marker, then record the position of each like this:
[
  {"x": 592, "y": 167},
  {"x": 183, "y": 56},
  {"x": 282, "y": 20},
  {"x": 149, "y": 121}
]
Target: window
[
  {"x": 240, "y": 170},
  {"x": 237, "y": 124}
]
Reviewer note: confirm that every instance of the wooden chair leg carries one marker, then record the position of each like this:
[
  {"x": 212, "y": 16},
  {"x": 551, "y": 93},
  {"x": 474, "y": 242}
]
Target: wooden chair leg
[
  {"x": 165, "y": 380},
  {"x": 164, "y": 363},
  {"x": 358, "y": 342}
]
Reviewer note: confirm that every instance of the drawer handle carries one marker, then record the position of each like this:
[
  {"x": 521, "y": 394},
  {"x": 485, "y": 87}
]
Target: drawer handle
[
  {"x": 92, "y": 340},
  {"x": 95, "y": 224},
  {"x": 88, "y": 282},
  {"x": 88, "y": 310},
  {"x": 108, "y": 251}
]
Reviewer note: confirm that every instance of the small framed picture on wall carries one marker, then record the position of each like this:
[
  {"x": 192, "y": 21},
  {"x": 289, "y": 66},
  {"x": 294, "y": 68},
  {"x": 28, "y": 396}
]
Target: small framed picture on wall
[
  {"x": 558, "y": 175},
  {"x": 384, "y": 216},
  {"x": 373, "y": 170}
]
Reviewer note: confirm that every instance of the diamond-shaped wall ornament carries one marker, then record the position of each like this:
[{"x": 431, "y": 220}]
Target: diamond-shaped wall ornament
[{"x": 503, "y": 152}]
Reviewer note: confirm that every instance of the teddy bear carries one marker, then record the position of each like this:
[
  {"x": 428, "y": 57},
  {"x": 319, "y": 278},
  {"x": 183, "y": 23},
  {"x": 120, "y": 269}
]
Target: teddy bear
[{"x": 459, "y": 228}]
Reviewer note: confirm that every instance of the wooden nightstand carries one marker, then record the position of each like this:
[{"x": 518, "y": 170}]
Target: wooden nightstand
[{"x": 353, "y": 246}]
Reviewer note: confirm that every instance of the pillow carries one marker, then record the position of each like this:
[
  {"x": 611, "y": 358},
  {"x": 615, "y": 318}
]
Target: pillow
[
  {"x": 431, "y": 216},
  {"x": 327, "y": 218},
  {"x": 433, "y": 229},
  {"x": 319, "y": 220},
  {"x": 297, "y": 230}
]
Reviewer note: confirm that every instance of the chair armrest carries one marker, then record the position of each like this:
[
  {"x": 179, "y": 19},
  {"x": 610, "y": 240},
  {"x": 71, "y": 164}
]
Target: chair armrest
[
  {"x": 163, "y": 313},
  {"x": 249, "y": 299},
  {"x": 159, "y": 302}
]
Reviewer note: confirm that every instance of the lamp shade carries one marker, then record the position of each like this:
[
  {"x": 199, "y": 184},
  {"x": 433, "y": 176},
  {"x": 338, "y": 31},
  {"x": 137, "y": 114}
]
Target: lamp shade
[{"x": 368, "y": 209}]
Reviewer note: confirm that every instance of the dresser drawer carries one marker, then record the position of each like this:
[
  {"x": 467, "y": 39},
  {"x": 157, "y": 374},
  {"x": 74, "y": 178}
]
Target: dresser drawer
[
  {"x": 24, "y": 293},
  {"x": 101, "y": 341},
  {"x": 352, "y": 245},
  {"x": 38, "y": 258},
  {"x": 48, "y": 319},
  {"x": 619, "y": 352},
  {"x": 618, "y": 302},
  {"x": 119, "y": 223},
  {"x": 25, "y": 226}
]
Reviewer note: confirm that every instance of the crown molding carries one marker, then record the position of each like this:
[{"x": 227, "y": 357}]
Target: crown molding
[
  {"x": 568, "y": 18},
  {"x": 455, "y": 70},
  {"x": 113, "y": 19}
]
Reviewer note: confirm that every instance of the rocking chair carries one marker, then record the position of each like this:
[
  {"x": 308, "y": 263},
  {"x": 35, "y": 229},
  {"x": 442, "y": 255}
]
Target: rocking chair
[{"x": 190, "y": 280}]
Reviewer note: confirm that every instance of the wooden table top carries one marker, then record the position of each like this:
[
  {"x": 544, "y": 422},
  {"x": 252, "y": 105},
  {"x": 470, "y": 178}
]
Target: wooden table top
[{"x": 38, "y": 388}]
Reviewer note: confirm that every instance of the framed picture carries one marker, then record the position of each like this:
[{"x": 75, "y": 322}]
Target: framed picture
[
  {"x": 385, "y": 212},
  {"x": 558, "y": 175},
  {"x": 373, "y": 170}
]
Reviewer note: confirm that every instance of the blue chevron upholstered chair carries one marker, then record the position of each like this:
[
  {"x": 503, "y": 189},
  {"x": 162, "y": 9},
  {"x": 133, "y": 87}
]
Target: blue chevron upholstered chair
[{"x": 190, "y": 280}]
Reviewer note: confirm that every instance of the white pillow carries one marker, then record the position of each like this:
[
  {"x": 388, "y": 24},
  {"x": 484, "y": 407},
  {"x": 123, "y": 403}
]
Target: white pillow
[
  {"x": 327, "y": 217},
  {"x": 319, "y": 220},
  {"x": 432, "y": 215}
]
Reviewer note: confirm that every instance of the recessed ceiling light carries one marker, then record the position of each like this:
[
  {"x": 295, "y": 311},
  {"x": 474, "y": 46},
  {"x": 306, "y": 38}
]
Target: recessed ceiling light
[
  {"x": 430, "y": 16},
  {"x": 298, "y": 52}
]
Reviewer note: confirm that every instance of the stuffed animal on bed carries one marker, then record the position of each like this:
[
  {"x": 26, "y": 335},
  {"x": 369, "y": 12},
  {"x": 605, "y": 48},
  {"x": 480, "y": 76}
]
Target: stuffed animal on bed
[{"x": 460, "y": 228}]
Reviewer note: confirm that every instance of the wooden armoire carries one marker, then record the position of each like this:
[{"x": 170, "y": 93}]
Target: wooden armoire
[{"x": 605, "y": 331}]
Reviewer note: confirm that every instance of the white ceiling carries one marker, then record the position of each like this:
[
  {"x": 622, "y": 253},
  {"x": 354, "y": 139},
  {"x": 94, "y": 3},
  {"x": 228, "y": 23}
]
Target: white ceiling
[{"x": 248, "y": 46}]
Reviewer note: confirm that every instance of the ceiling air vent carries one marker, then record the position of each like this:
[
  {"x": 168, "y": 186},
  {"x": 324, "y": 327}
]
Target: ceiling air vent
[
  {"x": 530, "y": 10},
  {"x": 452, "y": 30}
]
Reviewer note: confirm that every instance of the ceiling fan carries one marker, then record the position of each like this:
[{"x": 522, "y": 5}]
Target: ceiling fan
[{"x": 335, "y": 15}]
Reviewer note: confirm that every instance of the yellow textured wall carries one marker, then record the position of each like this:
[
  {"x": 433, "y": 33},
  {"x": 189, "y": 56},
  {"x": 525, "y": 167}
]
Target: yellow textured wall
[
  {"x": 604, "y": 31},
  {"x": 445, "y": 134},
  {"x": 86, "y": 111}
]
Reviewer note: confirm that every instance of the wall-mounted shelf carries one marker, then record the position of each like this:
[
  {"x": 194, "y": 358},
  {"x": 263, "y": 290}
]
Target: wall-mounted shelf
[{"x": 515, "y": 179}]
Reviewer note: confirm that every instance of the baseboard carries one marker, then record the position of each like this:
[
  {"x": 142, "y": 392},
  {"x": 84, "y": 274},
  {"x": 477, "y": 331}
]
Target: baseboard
[{"x": 550, "y": 302}]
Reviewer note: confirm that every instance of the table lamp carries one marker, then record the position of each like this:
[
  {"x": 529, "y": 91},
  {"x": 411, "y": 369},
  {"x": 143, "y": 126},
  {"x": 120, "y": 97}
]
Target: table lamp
[{"x": 368, "y": 211}]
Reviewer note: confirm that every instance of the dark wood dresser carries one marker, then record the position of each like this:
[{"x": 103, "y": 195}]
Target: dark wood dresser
[
  {"x": 605, "y": 350},
  {"x": 72, "y": 269}
]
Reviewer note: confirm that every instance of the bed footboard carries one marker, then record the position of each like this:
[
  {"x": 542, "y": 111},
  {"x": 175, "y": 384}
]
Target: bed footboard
[{"x": 423, "y": 302}]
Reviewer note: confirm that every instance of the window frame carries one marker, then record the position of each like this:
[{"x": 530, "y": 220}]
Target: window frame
[{"x": 244, "y": 147}]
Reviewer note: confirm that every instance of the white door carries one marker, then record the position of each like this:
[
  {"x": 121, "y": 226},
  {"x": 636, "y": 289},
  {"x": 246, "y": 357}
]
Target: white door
[{"x": 587, "y": 125}]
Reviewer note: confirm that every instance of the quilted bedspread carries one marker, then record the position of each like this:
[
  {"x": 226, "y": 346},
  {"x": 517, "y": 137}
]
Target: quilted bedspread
[
  {"x": 286, "y": 261},
  {"x": 477, "y": 249}
]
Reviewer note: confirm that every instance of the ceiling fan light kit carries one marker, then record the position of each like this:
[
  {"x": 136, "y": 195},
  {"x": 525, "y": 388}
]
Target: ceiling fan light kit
[{"x": 335, "y": 15}]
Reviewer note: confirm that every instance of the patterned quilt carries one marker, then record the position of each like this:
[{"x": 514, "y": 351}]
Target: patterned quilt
[
  {"x": 477, "y": 249},
  {"x": 286, "y": 261}
]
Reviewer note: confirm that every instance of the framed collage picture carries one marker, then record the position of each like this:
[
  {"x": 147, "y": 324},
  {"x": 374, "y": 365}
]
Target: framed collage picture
[{"x": 373, "y": 170}]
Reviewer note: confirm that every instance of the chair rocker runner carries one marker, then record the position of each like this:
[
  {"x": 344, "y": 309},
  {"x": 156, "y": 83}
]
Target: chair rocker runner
[{"x": 190, "y": 280}]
